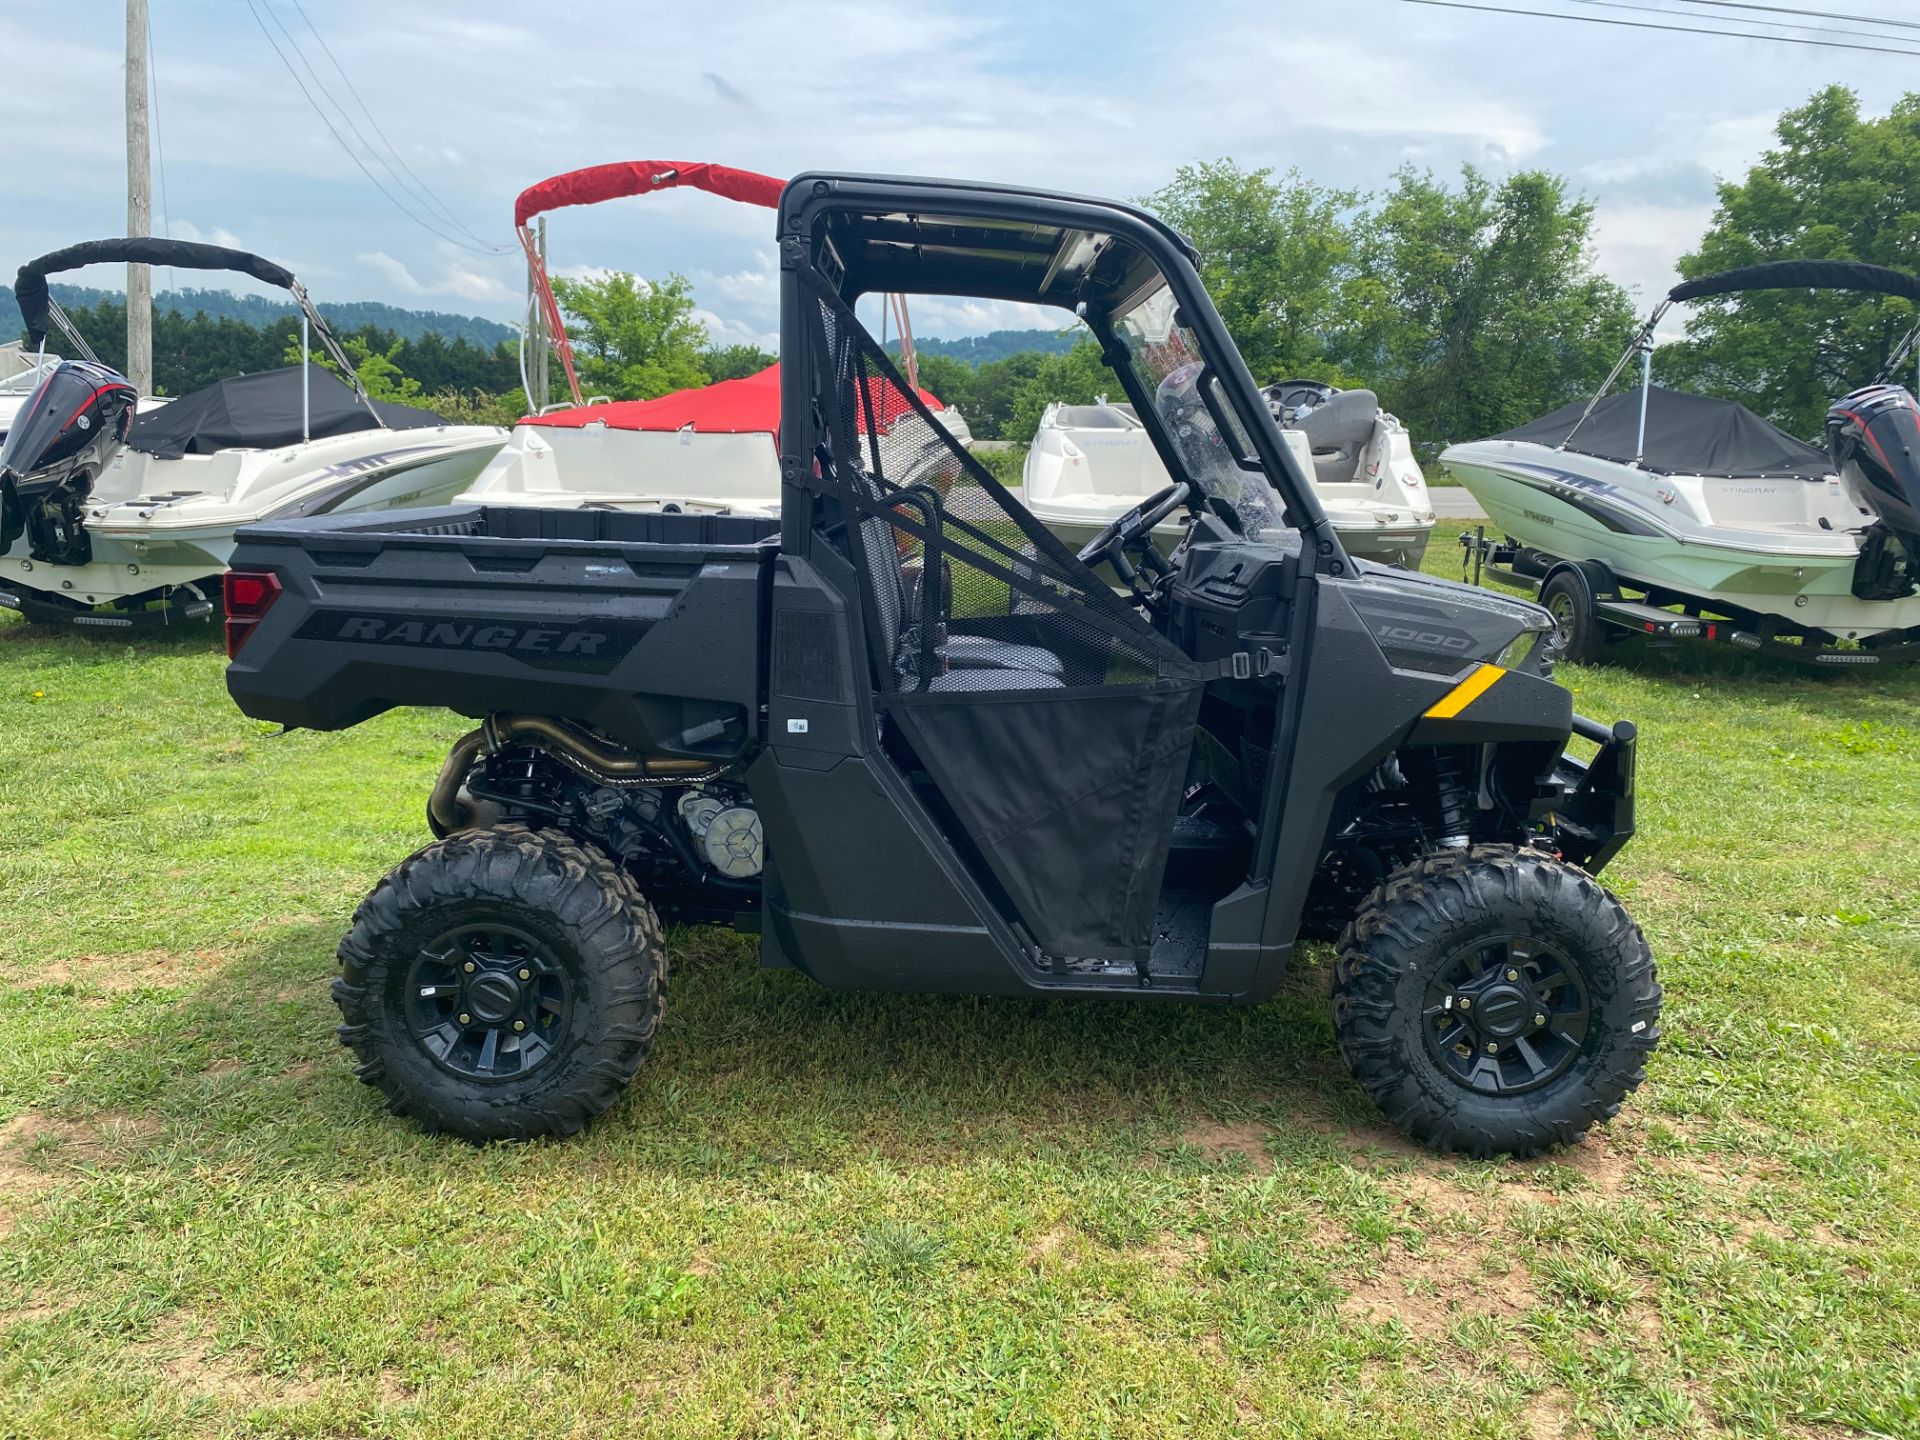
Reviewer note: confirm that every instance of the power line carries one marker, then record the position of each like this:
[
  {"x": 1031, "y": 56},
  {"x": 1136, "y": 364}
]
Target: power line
[
  {"x": 1816, "y": 14},
  {"x": 341, "y": 141},
  {"x": 418, "y": 187},
  {"x": 1674, "y": 29},
  {"x": 1882, "y": 40}
]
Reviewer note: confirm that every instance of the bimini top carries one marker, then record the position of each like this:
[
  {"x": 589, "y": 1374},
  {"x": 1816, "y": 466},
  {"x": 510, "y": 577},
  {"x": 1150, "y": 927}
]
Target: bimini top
[
  {"x": 748, "y": 406},
  {"x": 1686, "y": 435},
  {"x": 1800, "y": 275},
  {"x": 262, "y": 412},
  {"x": 30, "y": 285}
]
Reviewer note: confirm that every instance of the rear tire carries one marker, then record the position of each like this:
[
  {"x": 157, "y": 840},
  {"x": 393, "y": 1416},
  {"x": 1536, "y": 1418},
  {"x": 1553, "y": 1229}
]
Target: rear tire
[
  {"x": 1579, "y": 635},
  {"x": 1530, "y": 938},
  {"x": 502, "y": 984}
]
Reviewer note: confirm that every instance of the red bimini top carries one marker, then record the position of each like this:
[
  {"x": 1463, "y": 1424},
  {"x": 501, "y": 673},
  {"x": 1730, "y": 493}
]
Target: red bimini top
[{"x": 749, "y": 406}]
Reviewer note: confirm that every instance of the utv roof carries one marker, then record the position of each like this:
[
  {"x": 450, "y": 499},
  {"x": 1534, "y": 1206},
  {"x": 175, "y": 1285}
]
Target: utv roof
[
  {"x": 262, "y": 412},
  {"x": 1686, "y": 435},
  {"x": 925, "y": 236}
]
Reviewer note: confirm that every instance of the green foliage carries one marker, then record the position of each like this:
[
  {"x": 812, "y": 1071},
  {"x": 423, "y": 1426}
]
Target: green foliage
[
  {"x": 974, "y": 350},
  {"x": 1837, "y": 187},
  {"x": 734, "y": 362},
  {"x": 1469, "y": 309},
  {"x": 633, "y": 339},
  {"x": 1278, "y": 257},
  {"x": 1477, "y": 308},
  {"x": 477, "y": 407},
  {"x": 380, "y": 376},
  {"x": 1074, "y": 378}
]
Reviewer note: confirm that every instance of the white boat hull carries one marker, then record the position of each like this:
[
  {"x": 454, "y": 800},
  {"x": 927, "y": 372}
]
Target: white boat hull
[
  {"x": 160, "y": 525},
  {"x": 1781, "y": 547}
]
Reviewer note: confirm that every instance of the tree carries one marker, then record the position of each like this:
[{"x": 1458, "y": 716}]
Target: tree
[
  {"x": 380, "y": 376},
  {"x": 1277, "y": 256},
  {"x": 1836, "y": 187},
  {"x": 633, "y": 339},
  {"x": 734, "y": 362},
  {"x": 1075, "y": 378},
  {"x": 1478, "y": 308}
]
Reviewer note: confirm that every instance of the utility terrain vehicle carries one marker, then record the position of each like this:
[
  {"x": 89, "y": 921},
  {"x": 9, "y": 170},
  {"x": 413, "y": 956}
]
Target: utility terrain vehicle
[{"x": 917, "y": 744}]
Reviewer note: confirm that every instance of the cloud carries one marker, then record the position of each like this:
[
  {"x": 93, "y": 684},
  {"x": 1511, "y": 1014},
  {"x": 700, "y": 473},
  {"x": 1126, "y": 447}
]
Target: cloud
[{"x": 460, "y": 281}]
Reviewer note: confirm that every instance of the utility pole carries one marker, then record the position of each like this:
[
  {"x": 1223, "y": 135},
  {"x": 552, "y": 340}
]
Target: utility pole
[{"x": 139, "y": 203}]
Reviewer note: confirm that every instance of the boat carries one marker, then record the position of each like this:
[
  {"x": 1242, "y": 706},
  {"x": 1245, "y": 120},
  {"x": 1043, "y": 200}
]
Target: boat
[
  {"x": 1651, "y": 499},
  {"x": 115, "y": 511},
  {"x": 709, "y": 449},
  {"x": 21, "y": 371},
  {"x": 1089, "y": 464}
]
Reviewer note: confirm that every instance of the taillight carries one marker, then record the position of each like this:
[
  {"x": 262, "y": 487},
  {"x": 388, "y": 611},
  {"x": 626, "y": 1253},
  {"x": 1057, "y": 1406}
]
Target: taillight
[{"x": 249, "y": 595}]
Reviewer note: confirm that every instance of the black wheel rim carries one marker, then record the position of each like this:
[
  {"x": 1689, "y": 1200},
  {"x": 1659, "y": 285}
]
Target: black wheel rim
[
  {"x": 1506, "y": 1015},
  {"x": 487, "y": 1001}
]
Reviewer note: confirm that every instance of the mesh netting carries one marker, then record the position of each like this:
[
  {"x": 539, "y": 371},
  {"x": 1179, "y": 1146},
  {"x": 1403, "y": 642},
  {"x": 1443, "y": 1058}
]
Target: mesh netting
[
  {"x": 968, "y": 591},
  {"x": 1055, "y": 722}
]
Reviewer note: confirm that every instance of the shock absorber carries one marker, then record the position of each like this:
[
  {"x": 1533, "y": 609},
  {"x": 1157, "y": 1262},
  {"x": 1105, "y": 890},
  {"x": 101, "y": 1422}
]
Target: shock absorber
[{"x": 1453, "y": 795}]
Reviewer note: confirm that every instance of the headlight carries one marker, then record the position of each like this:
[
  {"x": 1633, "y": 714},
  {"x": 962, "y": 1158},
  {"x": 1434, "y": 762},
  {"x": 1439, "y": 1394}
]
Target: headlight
[{"x": 1528, "y": 653}]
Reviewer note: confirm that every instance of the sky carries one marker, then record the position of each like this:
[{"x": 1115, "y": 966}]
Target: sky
[{"x": 481, "y": 98}]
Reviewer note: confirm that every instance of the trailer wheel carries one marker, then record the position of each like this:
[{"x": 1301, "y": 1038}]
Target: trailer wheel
[
  {"x": 1495, "y": 1000},
  {"x": 502, "y": 984},
  {"x": 1579, "y": 635}
]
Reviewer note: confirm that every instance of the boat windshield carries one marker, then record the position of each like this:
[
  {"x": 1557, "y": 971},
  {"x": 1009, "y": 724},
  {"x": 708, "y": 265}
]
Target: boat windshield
[
  {"x": 33, "y": 368},
  {"x": 1166, "y": 357}
]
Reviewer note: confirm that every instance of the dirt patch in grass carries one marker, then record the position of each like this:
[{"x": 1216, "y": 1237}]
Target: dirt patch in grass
[
  {"x": 117, "y": 974},
  {"x": 34, "y": 1147},
  {"x": 1048, "y": 1243},
  {"x": 1176, "y": 1254},
  {"x": 1547, "y": 1415},
  {"x": 182, "y": 1352},
  {"x": 1431, "y": 1292},
  {"x": 1218, "y": 1142}
]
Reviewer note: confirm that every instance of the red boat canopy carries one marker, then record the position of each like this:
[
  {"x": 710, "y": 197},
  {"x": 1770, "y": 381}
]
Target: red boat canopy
[
  {"x": 611, "y": 182},
  {"x": 640, "y": 177},
  {"x": 748, "y": 406}
]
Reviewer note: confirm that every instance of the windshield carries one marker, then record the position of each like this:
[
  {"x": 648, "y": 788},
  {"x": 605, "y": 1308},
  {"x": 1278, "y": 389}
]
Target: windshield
[
  {"x": 1167, "y": 358},
  {"x": 26, "y": 378}
]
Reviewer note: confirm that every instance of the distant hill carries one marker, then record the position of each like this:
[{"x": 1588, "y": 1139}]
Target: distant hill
[
  {"x": 979, "y": 350},
  {"x": 260, "y": 311}
]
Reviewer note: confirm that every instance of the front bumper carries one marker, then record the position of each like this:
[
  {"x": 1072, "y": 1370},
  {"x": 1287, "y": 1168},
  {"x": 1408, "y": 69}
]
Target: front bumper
[{"x": 1594, "y": 817}]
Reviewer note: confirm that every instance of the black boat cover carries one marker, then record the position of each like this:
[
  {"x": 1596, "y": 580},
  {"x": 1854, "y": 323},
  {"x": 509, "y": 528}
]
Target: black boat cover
[
  {"x": 1800, "y": 275},
  {"x": 30, "y": 285},
  {"x": 262, "y": 412},
  {"x": 1686, "y": 435}
]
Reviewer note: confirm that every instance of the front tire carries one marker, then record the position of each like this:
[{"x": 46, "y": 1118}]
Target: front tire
[
  {"x": 502, "y": 984},
  {"x": 1561, "y": 1002}
]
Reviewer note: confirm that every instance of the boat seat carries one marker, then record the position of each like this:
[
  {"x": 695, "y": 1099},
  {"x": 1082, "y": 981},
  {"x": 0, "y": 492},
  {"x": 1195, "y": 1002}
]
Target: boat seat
[{"x": 1337, "y": 432}]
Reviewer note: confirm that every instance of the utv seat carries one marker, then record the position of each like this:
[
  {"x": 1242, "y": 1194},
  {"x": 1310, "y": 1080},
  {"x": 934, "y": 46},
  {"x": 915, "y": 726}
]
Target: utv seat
[
  {"x": 977, "y": 662},
  {"x": 1337, "y": 432}
]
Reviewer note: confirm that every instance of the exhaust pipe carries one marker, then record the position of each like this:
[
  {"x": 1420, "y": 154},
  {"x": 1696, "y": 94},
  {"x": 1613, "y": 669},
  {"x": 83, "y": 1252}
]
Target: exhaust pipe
[{"x": 584, "y": 754}]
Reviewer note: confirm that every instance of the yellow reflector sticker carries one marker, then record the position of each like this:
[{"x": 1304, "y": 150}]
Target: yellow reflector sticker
[{"x": 1465, "y": 693}]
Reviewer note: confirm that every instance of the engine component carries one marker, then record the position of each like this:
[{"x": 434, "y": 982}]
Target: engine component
[
  {"x": 697, "y": 809},
  {"x": 733, "y": 842}
]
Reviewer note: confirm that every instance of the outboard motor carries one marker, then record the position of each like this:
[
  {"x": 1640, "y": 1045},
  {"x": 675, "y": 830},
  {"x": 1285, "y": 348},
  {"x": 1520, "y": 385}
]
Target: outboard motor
[
  {"x": 75, "y": 422},
  {"x": 1876, "y": 431}
]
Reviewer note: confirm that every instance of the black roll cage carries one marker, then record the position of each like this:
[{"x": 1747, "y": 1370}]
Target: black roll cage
[{"x": 892, "y": 207}]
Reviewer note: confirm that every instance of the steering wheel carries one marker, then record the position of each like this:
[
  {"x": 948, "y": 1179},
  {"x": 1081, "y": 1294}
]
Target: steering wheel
[
  {"x": 1285, "y": 397},
  {"x": 1125, "y": 531}
]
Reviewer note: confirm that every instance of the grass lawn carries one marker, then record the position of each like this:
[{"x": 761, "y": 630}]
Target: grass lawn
[{"x": 889, "y": 1215}]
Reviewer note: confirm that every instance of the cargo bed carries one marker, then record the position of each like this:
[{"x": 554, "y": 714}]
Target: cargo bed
[{"x": 628, "y": 622}]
